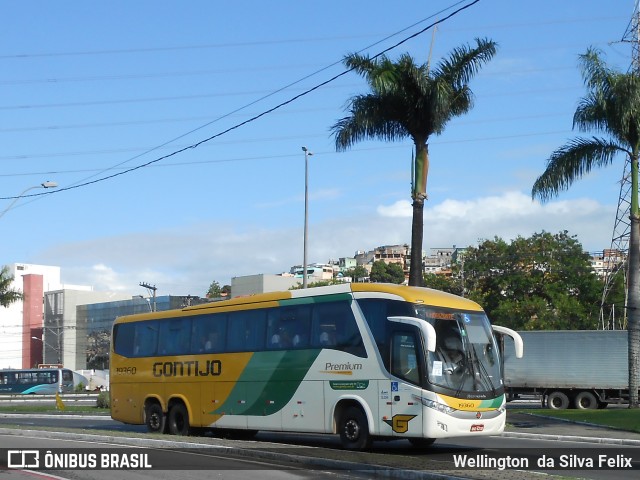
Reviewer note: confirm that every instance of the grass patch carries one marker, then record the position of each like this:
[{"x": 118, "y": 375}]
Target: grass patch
[{"x": 620, "y": 418}]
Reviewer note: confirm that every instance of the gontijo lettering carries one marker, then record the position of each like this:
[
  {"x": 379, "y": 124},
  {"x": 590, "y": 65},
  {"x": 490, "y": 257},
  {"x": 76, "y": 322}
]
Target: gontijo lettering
[{"x": 187, "y": 369}]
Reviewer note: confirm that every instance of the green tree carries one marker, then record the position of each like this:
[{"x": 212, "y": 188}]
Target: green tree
[
  {"x": 216, "y": 291},
  {"x": 542, "y": 282},
  {"x": 443, "y": 283},
  {"x": 382, "y": 272},
  {"x": 610, "y": 107},
  {"x": 411, "y": 101},
  {"x": 356, "y": 273},
  {"x": 7, "y": 294}
]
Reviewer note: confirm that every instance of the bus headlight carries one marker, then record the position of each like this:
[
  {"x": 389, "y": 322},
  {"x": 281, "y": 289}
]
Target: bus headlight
[{"x": 440, "y": 407}]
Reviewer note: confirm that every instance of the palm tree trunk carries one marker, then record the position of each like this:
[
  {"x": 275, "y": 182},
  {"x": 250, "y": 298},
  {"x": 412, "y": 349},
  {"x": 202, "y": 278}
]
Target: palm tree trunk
[
  {"x": 417, "y": 228},
  {"x": 633, "y": 309},
  {"x": 419, "y": 194}
]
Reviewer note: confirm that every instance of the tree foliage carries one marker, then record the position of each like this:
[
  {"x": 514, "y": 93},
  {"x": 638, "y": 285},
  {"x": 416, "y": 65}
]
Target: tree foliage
[
  {"x": 408, "y": 100},
  {"x": 357, "y": 273},
  {"x": 7, "y": 294},
  {"x": 382, "y": 272},
  {"x": 443, "y": 283},
  {"x": 216, "y": 291},
  {"x": 542, "y": 282}
]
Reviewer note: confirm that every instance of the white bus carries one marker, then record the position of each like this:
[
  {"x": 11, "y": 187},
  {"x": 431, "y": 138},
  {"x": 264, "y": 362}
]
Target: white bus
[{"x": 363, "y": 361}]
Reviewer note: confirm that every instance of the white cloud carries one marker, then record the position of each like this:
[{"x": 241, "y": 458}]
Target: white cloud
[{"x": 186, "y": 260}]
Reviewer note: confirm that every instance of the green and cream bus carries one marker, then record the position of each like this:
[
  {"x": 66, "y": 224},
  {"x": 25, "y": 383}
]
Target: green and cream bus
[{"x": 361, "y": 360}]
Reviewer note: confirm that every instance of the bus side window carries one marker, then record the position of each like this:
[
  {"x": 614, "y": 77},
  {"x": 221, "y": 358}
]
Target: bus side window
[
  {"x": 246, "y": 332},
  {"x": 288, "y": 327},
  {"x": 334, "y": 326},
  {"x": 175, "y": 336},
  {"x": 208, "y": 333},
  {"x": 146, "y": 339}
]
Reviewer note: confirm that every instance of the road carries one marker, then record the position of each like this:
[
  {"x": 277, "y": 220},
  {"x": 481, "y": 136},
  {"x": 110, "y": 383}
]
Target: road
[{"x": 318, "y": 450}]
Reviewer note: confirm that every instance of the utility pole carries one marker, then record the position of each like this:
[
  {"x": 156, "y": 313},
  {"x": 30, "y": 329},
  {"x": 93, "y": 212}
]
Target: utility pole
[
  {"x": 615, "y": 260},
  {"x": 150, "y": 288}
]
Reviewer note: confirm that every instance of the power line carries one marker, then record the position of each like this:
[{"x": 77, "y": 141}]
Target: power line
[{"x": 258, "y": 116}]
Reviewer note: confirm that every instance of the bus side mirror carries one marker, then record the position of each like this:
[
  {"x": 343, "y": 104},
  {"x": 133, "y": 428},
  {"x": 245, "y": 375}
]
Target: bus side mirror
[
  {"x": 426, "y": 328},
  {"x": 517, "y": 339}
]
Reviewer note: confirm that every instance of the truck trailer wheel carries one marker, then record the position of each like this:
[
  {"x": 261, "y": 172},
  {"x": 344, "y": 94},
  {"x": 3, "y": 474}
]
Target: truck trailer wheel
[
  {"x": 586, "y": 401},
  {"x": 557, "y": 401}
]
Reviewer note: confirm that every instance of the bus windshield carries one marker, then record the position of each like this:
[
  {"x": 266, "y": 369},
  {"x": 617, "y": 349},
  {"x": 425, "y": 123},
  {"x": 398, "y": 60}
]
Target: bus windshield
[{"x": 466, "y": 358}]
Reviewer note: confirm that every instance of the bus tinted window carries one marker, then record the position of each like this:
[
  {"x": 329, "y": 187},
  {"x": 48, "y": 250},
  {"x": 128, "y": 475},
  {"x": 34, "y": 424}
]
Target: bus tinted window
[
  {"x": 209, "y": 333},
  {"x": 289, "y": 327},
  {"x": 145, "y": 339},
  {"x": 246, "y": 331},
  {"x": 334, "y": 326},
  {"x": 123, "y": 337},
  {"x": 175, "y": 336},
  {"x": 376, "y": 312}
]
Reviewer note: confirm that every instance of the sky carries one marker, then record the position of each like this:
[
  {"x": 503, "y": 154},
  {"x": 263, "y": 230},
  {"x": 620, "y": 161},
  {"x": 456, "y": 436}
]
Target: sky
[{"x": 174, "y": 132}]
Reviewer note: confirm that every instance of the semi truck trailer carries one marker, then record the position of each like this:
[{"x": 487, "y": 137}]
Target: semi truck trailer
[{"x": 582, "y": 369}]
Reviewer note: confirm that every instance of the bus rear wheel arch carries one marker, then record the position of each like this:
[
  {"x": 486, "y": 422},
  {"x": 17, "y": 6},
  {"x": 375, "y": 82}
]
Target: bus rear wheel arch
[
  {"x": 178, "y": 419},
  {"x": 154, "y": 417}
]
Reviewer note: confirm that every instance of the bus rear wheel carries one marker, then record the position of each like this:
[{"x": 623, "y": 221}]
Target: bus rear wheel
[
  {"x": 354, "y": 429},
  {"x": 154, "y": 418},
  {"x": 179, "y": 420}
]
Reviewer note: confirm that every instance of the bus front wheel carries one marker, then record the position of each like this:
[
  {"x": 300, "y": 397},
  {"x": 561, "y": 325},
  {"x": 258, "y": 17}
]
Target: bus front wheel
[
  {"x": 179, "y": 420},
  {"x": 354, "y": 429},
  {"x": 154, "y": 418}
]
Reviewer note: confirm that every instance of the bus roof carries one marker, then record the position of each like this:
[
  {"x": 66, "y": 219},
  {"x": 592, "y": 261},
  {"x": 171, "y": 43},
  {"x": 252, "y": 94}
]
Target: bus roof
[{"x": 426, "y": 296}]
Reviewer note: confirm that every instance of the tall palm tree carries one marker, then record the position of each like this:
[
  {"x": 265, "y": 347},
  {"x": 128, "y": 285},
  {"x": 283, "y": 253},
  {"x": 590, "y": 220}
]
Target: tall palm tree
[
  {"x": 610, "y": 107},
  {"x": 411, "y": 101}
]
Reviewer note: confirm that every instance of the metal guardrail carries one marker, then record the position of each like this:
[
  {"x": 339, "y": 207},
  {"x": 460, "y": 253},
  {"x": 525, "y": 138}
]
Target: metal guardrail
[{"x": 67, "y": 398}]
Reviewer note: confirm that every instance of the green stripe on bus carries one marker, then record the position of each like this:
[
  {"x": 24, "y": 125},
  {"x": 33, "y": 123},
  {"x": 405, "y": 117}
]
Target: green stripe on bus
[
  {"x": 268, "y": 382},
  {"x": 337, "y": 297},
  {"x": 492, "y": 403}
]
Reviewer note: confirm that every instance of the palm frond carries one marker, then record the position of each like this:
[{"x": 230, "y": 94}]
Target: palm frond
[{"x": 571, "y": 162}]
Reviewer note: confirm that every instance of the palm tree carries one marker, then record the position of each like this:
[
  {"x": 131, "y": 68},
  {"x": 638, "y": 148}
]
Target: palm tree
[
  {"x": 411, "y": 101},
  {"x": 610, "y": 107},
  {"x": 7, "y": 295}
]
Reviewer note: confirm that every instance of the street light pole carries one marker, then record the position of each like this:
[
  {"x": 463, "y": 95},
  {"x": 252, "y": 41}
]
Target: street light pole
[
  {"x": 307, "y": 153},
  {"x": 42, "y": 185}
]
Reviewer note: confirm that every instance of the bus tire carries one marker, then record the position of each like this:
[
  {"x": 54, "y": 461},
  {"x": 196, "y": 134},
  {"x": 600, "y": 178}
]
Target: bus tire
[
  {"x": 154, "y": 418},
  {"x": 557, "y": 401},
  {"x": 354, "y": 429},
  {"x": 586, "y": 401},
  {"x": 179, "y": 420}
]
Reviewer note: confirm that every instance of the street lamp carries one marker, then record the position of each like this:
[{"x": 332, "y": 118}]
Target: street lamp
[
  {"x": 307, "y": 153},
  {"x": 46, "y": 184}
]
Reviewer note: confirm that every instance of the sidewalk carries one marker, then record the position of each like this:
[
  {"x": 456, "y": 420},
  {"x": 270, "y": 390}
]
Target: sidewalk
[{"x": 537, "y": 425}]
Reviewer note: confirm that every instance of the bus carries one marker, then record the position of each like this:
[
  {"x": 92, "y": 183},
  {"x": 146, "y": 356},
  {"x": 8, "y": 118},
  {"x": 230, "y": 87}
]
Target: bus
[
  {"x": 41, "y": 381},
  {"x": 362, "y": 360}
]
